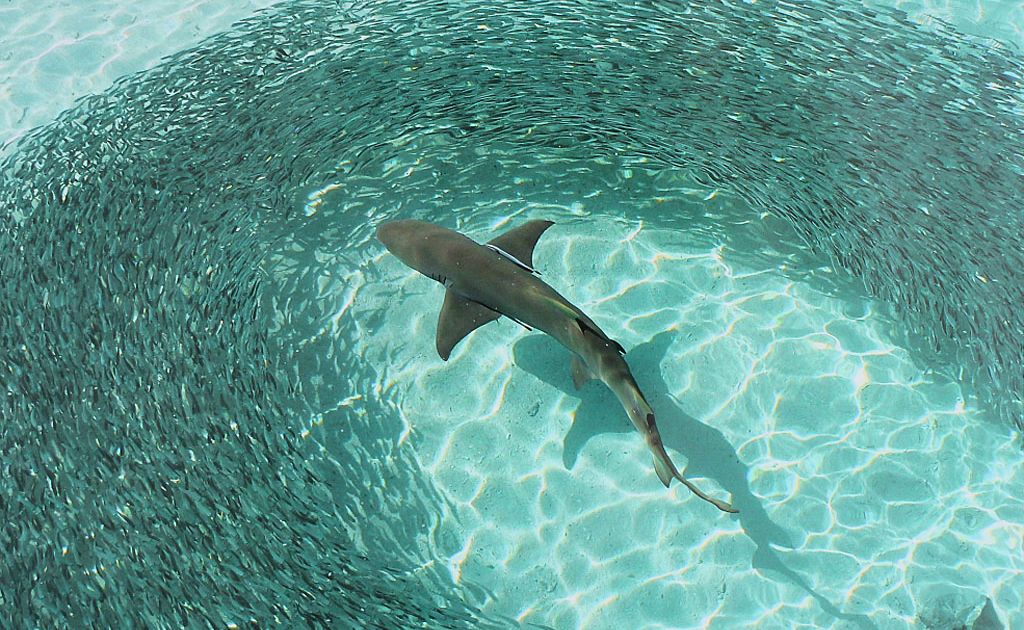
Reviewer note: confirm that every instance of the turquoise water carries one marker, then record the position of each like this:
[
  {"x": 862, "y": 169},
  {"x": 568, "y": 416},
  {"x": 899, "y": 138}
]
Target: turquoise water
[
  {"x": 224, "y": 406},
  {"x": 53, "y": 52}
]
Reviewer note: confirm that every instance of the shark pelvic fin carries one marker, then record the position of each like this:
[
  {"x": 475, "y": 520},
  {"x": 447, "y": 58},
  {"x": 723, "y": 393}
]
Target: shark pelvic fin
[
  {"x": 580, "y": 373},
  {"x": 458, "y": 318},
  {"x": 667, "y": 471},
  {"x": 519, "y": 242}
]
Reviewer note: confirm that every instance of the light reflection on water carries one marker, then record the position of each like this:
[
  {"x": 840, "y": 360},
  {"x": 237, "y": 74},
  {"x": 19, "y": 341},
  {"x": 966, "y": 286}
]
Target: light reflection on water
[{"x": 218, "y": 383}]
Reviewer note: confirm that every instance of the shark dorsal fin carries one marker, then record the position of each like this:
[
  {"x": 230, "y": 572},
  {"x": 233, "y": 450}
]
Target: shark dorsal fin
[
  {"x": 458, "y": 318},
  {"x": 589, "y": 327},
  {"x": 519, "y": 242}
]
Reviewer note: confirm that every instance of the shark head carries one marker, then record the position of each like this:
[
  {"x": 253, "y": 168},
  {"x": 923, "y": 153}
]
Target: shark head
[
  {"x": 417, "y": 244},
  {"x": 402, "y": 238}
]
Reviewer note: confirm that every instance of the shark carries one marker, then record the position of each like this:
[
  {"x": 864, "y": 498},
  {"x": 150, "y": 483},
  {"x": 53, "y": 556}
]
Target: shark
[{"x": 484, "y": 282}]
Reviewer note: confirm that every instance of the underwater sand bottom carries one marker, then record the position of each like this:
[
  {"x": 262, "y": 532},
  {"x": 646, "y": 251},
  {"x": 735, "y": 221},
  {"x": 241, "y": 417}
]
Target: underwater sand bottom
[{"x": 869, "y": 492}]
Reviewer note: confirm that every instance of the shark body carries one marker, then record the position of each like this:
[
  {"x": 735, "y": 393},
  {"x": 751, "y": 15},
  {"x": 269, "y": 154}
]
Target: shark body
[{"x": 484, "y": 282}]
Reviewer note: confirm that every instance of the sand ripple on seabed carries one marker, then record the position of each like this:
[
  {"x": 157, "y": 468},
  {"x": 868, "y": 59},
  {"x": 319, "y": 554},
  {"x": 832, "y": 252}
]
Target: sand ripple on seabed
[{"x": 890, "y": 488}]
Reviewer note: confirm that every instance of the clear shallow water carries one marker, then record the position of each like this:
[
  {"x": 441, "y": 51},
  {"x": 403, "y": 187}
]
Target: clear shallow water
[
  {"x": 55, "y": 51},
  {"x": 1002, "y": 20},
  {"x": 853, "y": 491},
  {"x": 229, "y": 380}
]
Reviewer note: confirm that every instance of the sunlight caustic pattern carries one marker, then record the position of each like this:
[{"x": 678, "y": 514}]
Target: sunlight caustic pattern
[
  {"x": 204, "y": 378},
  {"x": 57, "y": 51},
  {"x": 831, "y": 423}
]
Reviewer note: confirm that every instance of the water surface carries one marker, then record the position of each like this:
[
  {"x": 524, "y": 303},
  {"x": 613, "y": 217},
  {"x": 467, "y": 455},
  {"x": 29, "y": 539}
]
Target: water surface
[{"x": 223, "y": 400}]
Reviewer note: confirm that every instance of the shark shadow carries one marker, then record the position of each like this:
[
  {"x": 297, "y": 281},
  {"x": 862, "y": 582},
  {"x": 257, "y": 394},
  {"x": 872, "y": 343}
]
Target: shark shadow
[{"x": 707, "y": 452}]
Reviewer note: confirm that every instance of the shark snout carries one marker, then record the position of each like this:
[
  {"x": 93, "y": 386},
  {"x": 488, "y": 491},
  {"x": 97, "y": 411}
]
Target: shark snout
[
  {"x": 393, "y": 233},
  {"x": 405, "y": 239}
]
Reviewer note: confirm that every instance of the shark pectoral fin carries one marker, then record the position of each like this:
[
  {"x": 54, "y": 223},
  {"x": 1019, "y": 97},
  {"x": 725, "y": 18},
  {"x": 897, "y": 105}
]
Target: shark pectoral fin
[
  {"x": 458, "y": 318},
  {"x": 520, "y": 242},
  {"x": 580, "y": 373},
  {"x": 664, "y": 473}
]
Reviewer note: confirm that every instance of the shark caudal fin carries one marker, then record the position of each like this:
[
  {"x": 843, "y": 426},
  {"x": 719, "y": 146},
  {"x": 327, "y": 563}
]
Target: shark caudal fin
[
  {"x": 666, "y": 470},
  {"x": 721, "y": 505},
  {"x": 664, "y": 474}
]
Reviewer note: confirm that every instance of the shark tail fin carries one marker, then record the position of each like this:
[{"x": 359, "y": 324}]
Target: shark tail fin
[
  {"x": 666, "y": 471},
  {"x": 664, "y": 474},
  {"x": 721, "y": 505}
]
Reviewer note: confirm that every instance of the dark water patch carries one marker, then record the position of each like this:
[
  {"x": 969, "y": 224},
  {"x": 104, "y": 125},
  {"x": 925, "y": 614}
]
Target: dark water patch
[{"x": 155, "y": 243}]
